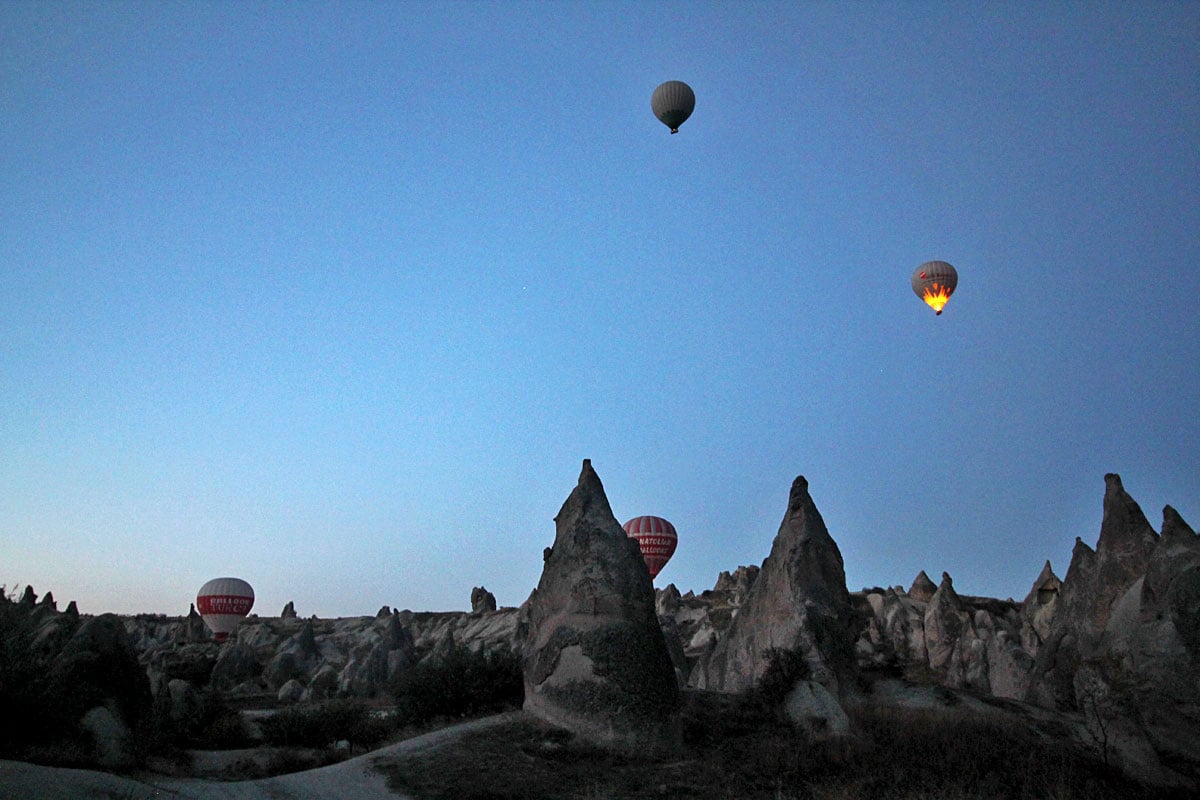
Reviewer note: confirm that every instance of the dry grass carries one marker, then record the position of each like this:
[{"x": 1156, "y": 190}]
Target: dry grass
[{"x": 734, "y": 751}]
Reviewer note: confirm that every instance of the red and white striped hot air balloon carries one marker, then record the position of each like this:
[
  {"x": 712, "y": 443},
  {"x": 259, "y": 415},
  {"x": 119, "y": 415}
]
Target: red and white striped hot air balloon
[
  {"x": 222, "y": 603},
  {"x": 657, "y": 539}
]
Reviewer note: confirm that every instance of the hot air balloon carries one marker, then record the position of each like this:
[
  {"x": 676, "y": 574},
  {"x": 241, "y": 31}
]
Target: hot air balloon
[
  {"x": 934, "y": 282},
  {"x": 657, "y": 539},
  {"x": 673, "y": 102},
  {"x": 222, "y": 602}
]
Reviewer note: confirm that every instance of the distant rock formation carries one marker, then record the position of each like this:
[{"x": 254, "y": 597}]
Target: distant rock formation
[
  {"x": 1038, "y": 610},
  {"x": 482, "y": 600},
  {"x": 298, "y": 658},
  {"x": 922, "y": 588},
  {"x": 385, "y": 650},
  {"x": 289, "y": 611},
  {"x": 193, "y": 628},
  {"x": 595, "y": 660},
  {"x": 798, "y": 601},
  {"x": 236, "y": 666},
  {"x": 738, "y": 583}
]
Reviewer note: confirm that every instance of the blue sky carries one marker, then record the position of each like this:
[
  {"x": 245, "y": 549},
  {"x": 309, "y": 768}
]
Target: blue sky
[{"x": 336, "y": 297}]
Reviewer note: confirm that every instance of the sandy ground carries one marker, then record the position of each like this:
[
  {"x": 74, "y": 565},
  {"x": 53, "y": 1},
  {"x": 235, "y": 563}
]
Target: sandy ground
[{"x": 353, "y": 779}]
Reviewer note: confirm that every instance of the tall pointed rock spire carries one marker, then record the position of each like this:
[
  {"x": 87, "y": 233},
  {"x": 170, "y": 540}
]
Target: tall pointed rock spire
[
  {"x": 798, "y": 602},
  {"x": 596, "y": 661}
]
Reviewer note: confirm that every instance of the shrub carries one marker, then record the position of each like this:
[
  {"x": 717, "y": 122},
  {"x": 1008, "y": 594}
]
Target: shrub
[
  {"x": 322, "y": 725},
  {"x": 18, "y": 672},
  {"x": 211, "y": 724},
  {"x": 459, "y": 683},
  {"x": 40, "y": 719}
]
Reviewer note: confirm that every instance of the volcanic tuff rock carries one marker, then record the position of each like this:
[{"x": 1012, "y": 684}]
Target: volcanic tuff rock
[
  {"x": 595, "y": 660},
  {"x": 1121, "y": 647},
  {"x": 372, "y": 666},
  {"x": 738, "y": 583},
  {"x": 482, "y": 600},
  {"x": 1095, "y": 580},
  {"x": 797, "y": 602},
  {"x": 1113, "y": 647},
  {"x": 922, "y": 588},
  {"x": 112, "y": 740},
  {"x": 193, "y": 628},
  {"x": 1038, "y": 609},
  {"x": 236, "y": 665},
  {"x": 299, "y": 657}
]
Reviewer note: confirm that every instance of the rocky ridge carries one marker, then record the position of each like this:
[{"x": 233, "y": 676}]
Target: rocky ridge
[{"x": 1113, "y": 647}]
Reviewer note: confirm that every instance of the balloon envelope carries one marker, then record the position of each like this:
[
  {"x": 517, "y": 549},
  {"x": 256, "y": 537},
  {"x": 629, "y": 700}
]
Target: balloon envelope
[
  {"x": 934, "y": 282},
  {"x": 673, "y": 102},
  {"x": 657, "y": 539},
  {"x": 222, "y": 602}
]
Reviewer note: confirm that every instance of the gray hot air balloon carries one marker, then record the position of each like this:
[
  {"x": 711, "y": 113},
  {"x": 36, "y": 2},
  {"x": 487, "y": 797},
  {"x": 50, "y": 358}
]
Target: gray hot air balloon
[
  {"x": 934, "y": 282},
  {"x": 673, "y": 102}
]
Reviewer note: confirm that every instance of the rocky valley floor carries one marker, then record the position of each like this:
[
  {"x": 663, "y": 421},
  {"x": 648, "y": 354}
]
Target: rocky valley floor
[{"x": 919, "y": 749}]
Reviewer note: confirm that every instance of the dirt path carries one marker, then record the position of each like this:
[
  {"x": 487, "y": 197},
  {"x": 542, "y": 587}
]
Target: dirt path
[{"x": 353, "y": 779}]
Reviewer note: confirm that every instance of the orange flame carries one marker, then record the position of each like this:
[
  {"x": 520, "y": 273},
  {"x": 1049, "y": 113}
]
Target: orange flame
[{"x": 937, "y": 297}]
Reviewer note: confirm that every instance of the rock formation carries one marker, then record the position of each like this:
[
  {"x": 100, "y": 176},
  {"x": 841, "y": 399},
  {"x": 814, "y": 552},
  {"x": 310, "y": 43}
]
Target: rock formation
[
  {"x": 798, "y": 601},
  {"x": 595, "y": 660},
  {"x": 738, "y": 583},
  {"x": 947, "y": 619},
  {"x": 1038, "y": 610},
  {"x": 193, "y": 628},
  {"x": 1120, "y": 647},
  {"x": 237, "y": 667},
  {"x": 298, "y": 658},
  {"x": 922, "y": 588},
  {"x": 1095, "y": 580},
  {"x": 1110, "y": 652},
  {"x": 482, "y": 600},
  {"x": 387, "y": 649}
]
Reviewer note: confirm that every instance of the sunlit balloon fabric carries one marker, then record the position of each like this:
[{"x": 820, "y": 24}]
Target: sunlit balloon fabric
[
  {"x": 657, "y": 539},
  {"x": 934, "y": 282},
  {"x": 222, "y": 603},
  {"x": 673, "y": 102}
]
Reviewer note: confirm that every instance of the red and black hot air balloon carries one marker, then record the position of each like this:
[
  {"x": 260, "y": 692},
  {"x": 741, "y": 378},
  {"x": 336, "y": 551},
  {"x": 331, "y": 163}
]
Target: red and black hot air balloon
[{"x": 657, "y": 539}]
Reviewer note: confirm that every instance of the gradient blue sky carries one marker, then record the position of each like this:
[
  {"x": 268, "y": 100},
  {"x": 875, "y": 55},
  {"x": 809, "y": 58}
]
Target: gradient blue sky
[{"x": 336, "y": 297}]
